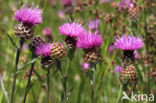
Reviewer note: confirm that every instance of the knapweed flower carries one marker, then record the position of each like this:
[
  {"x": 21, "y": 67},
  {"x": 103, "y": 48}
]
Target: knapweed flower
[
  {"x": 111, "y": 48},
  {"x": 72, "y": 31},
  {"x": 89, "y": 41},
  {"x": 47, "y": 31},
  {"x": 136, "y": 54},
  {"x": 67, "y": 2},
  {"x": 85, "y": 66},
  {"x": 118, "y": 69},
  {"x": 124, "y": 4},
  {"x": 29, "y": 15},
  {"x": 128, "y": 44},
  {"x": 43, "y": 49},
  {"x": 61, "y": 14},
  {"x": 94, "y": 24}
]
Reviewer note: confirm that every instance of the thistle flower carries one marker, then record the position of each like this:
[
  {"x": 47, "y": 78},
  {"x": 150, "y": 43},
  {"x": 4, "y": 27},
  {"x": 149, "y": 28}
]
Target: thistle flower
[
  {"x": 67, "y": 2},
  {"x": 29, "y": 15},
  {"x": 129, "y": 43},
  {"x": 118, "y": 69},
  {"x": 36, "y": 41},
  {"x": 47, "y": 31},
  {"x": 72, "y": 29},
  {"x": 136, "y": 54},
  {"x": 85, "y": 66},
  {"x": 111, "y": 48},
  {"x": 124, "y": 4},
  {"x": 94, "y": 24},
  {"x": 89, "y": 41},
  {"x": 43, "y": 49}
]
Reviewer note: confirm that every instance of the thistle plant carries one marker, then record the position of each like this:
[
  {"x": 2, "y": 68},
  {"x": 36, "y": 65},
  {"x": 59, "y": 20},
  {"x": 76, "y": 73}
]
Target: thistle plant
[{"x": 105, "y": 51}]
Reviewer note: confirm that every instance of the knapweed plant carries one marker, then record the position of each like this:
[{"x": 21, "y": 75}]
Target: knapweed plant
[{"x": 78, "y": 51}]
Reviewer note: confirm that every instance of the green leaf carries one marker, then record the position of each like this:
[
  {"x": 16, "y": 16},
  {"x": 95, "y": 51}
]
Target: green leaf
[
  {"x": 11, "y": 40},
  {"x": 27, "y": 64},
  {"x": 3, "y": 90}
]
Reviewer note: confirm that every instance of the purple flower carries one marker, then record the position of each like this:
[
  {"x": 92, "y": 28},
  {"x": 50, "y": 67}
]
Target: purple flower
[
  {"x": 61, "y": 14},
  {"x": 67, "y": 2},
  {"x": 127, "y": 42},
  {"x": 47, "y": 31},
  {"x": 72, "y": 29},
  {"x": 43, "y": 49},
  {"x": 111, "y": 48},
  {"x": 86, "y": 66},
  {"x": 125, "y": 4},
  {"x": 94, "y": 24},
  {"x": 118, "y": 69},
  {"x": 31, "y": 15},
  {"x": 136, "y": 54},
  {"x": 88, "y": 41}
]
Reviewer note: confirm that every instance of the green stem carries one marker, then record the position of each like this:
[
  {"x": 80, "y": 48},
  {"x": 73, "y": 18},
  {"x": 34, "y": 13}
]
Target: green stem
[
  {"x": 93, "y": 83},
  {"x": 47, "y": 90},
  {"x": 29, "y": 81},
  {"x": 58, "y": 65},
  {"x": 119, "y": 94},
  {"x": 16, "y": 68}
]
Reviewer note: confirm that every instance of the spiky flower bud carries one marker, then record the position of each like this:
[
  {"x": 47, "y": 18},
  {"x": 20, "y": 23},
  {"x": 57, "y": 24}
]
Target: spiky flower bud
[
  {"x": 24, "y": 31},
  {"x": 129, "y": 74},
  {"x": 36, "y": 41},
  {"x": 58, "y": 51},
  {"x": 91, "y": 56},
  {"x": 46, "y": 62},
  {"x": 133, "y": 13},
  {"x": 71, "y": 42}
]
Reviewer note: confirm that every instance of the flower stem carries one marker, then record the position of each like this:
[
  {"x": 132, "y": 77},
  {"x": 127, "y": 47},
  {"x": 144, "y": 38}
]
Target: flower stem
[
  {"x": 58, "y": 65},
  {"x": 28, "y": 84},
  {"x": 93, "y": 83},
  {"x": 47, "y": 90},
  {"x": 16, "y": 68}
]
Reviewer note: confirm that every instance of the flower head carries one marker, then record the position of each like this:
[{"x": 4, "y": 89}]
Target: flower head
[
  {"x": 127, "y": 42},
  {"x": 43, "y": 49},
  {"x": 94, "y": 24},
  {"x": 88, "y": 41},
  {"x": 111, "y": 48},
  {"x": 30, "y": 15},
  {"x": 67, "y": 2},
  {"x": 118, "y": 69},
  {"x": 47, "y": 31},
  {"x": 72, "y": 29},
  {"x": 125, "y": 4},
  {"x": 86, "y": 66}
]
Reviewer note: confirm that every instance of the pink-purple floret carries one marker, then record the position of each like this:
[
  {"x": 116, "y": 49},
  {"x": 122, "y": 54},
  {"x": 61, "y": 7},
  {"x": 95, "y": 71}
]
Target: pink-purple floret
[
  {"x": 72, "y": 29},
  {"x": 43, "y": 49},
  {"x": 88, "y": 41},
  {"x": 129, "y": 43},
  {"x": 32, "y": 15}
]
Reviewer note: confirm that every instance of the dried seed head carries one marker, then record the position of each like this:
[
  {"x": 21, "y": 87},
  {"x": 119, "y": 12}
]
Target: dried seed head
[
  {"x": 58, "y": 50},
  {"x": 24, "y": 31},
  {"x": 129, "y": 74}
]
